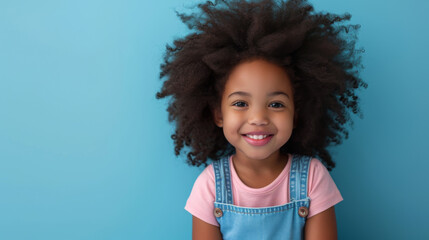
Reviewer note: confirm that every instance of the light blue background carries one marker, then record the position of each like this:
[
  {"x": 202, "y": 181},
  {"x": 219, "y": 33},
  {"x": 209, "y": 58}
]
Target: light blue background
[{"x": 85, "y": 148}]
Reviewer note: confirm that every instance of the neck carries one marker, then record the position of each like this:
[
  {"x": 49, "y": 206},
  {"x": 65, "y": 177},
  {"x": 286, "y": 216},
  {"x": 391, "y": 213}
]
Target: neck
[{"x": 273, "y": 163}]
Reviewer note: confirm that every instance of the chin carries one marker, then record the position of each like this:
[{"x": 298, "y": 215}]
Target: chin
[{"x": 258, "y": 155}]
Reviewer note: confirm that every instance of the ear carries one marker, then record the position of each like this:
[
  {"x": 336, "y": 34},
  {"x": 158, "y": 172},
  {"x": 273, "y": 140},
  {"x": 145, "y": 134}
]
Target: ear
[{"x": 218, "y": 117}]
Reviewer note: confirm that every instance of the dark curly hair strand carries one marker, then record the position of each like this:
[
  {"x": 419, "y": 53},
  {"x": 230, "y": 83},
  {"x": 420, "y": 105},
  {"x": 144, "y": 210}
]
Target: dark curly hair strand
[{"x": 316, "y": 49}]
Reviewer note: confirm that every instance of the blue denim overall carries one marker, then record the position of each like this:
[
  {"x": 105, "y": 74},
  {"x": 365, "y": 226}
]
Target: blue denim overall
[{"x": 277, "y": 222}]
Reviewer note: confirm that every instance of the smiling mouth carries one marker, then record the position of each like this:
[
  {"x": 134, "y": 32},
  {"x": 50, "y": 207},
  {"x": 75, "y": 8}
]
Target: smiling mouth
[
  {"x": 257, "y": 137},
  {"x": 258, "y": 140}
]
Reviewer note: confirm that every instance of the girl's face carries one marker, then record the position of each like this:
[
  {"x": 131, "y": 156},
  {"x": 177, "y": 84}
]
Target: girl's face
[{"x": 257, "y": 109}]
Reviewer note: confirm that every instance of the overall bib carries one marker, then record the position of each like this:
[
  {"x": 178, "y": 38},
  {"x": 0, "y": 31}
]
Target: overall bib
[{"x": 277, "y": 222}]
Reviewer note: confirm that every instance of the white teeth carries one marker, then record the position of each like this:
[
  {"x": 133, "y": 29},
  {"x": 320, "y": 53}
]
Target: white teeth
[{"x": 257, "y": 136}]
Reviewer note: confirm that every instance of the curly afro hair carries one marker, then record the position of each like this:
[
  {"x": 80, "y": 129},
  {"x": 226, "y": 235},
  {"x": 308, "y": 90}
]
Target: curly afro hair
[{"x": 317, "y": 50}]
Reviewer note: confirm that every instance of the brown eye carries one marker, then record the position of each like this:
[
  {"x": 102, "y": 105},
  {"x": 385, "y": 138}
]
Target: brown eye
[
  {"x": 239, "y": 104},
  {"x": 276, "y": 105}
]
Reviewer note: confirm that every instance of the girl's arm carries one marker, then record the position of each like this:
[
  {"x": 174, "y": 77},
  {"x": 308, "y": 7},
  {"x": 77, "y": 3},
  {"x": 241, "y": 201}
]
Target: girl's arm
[
  {"x": 204, "y": 231},
  {"x": 322, "y": 226}
]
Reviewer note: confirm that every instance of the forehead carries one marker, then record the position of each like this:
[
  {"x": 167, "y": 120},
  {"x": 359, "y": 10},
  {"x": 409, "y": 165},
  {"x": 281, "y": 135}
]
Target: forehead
[{"x": 258, "y": 76}]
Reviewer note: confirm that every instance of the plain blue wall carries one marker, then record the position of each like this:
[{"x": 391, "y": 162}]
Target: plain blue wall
[{"x": 85, "y": 149}]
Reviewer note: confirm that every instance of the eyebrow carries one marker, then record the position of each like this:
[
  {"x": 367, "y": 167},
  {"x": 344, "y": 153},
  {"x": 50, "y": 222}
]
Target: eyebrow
[{"x": 249, "y": 95}]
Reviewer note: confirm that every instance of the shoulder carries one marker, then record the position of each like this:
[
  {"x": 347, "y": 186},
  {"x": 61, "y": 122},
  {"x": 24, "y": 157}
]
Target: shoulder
[
  {"x": 322, "y": 190},
  {"x": 201, "y": 200},
  {"x": 204, "y": 185},
  {"x": 317, "y": 173},
  {"x": 206, "y": 176},
  {"x": 317, "y": 166}
]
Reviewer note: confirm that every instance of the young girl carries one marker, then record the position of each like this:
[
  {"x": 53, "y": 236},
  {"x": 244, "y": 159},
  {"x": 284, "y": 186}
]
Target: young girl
[{"x": 262, "y": 89}]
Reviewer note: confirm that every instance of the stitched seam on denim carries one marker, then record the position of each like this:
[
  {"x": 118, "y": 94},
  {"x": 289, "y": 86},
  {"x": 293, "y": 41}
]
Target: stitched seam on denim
[
  {"x": 217, "y": 180},
  {"x": 264, "y": 212},
  {"x": 227, "y": 176},
  {"x": 304, "y": 176},
  {"x": 292, "y": 179},
  {"x": 253, "y": 213},
  {"x": 298, "y": 177},
  {"x": 244, "y": 210}
]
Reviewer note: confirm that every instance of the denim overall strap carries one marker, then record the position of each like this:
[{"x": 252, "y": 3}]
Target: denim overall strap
[
  {"x": 298, "y": 177},
  {"x": 223, "y": 181}
]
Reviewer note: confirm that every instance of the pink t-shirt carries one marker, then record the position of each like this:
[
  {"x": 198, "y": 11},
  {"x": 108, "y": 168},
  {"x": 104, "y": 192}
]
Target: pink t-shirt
[{"x": 322, "y": 191}]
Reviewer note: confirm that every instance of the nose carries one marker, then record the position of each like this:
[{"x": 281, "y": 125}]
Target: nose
[{"x": 258, "y": 116}]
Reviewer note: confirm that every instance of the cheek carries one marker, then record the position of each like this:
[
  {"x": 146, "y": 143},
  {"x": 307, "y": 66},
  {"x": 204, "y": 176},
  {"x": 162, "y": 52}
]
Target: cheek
[
  {"x": 231, "y": 129},
  {"x": 285, "y": 123},
  {"x": 232, "y": 125}
]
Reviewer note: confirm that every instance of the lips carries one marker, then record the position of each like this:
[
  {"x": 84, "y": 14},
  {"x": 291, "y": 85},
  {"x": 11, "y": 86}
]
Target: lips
[
  {"x": 258, "y": 133},
  {"x": 266, "y": 137}
]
